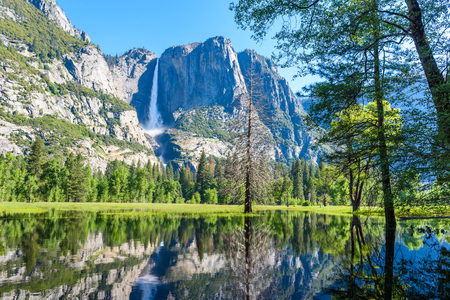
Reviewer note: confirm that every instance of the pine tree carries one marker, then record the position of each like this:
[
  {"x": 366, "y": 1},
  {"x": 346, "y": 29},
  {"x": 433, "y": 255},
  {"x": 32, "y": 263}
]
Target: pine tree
[
  {"x": 297, "y": 180},
  {"x": 36, "y": 158},
  {"x": 156, "y": 173},
  {"x": 169, "y": 171},
  {"x": 204, "y": 176},
  {"x": 163, "y": 172},
  {"x": 77, "y": 182}
]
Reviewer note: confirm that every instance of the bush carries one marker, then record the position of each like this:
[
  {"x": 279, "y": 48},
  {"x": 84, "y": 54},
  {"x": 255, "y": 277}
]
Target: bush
[
  {"x": 179, "y": 200},
  {"x": 195, "y": 199},
  {"x": 306, "y": 203},
  {"x": 211, "y": 196}
]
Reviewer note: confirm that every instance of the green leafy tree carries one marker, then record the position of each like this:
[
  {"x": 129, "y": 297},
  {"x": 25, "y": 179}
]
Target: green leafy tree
[
  {"x": 118, "y": 184},
  {"x": 355, "y": 132},
  {"x": 211, "y": 196},
  {"x": 53, "y": 176},
  {"x": 31, "y": 187},
  {"x": 324, "y": 182},
  {"x": 196, "y": 199},
  {"x": 5, "y": 172},
  {"x": 140, "y": 185}
]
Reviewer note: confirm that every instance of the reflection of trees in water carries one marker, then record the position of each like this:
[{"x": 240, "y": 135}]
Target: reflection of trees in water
[
  {"x": 367, "y": 270},
  {"x": 427, "y": 274},
  {"x": 383, "y": 269},
  {"x": 247, "y": 252}
]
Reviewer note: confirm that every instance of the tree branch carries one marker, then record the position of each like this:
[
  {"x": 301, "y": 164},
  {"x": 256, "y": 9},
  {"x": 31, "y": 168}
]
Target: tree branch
[{"x": 303, "y": 7}]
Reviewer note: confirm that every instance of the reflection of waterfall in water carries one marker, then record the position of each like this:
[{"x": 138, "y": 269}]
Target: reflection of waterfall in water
[{"x": 146, "y": 286}]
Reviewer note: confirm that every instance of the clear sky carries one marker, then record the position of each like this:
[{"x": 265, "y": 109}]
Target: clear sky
[{"x": 117, "y": 26}]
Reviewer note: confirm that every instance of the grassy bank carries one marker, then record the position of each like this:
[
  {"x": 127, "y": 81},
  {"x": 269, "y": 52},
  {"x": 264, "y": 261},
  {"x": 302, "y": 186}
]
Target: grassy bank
[
  {"x": 143, "y": 208},
  {"x": 10, "y": 208}
]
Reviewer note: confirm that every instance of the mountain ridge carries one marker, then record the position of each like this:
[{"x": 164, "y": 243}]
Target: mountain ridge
[{"x": 191, "y": 78}]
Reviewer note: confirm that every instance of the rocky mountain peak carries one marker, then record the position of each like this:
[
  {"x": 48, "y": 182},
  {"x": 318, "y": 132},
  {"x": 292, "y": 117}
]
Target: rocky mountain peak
[
  {"x": 138, "y": 54},
  {"x": 52, "y": 10}
]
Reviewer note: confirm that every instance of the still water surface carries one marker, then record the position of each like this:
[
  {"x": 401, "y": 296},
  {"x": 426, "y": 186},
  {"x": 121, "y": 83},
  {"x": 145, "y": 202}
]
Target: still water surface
[{"x": 275, "y": 255}]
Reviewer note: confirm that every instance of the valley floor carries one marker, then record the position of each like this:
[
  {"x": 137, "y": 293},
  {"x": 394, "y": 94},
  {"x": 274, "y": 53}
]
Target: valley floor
[{"x": 8, "y": 209}]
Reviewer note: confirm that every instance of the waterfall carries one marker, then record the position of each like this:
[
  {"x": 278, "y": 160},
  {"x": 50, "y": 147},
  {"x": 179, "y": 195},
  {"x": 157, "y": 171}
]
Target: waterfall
[{"x": 154, "y": 125}]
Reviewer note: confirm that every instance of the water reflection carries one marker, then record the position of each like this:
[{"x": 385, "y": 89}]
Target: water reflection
[{"x": 272, "y": 256}]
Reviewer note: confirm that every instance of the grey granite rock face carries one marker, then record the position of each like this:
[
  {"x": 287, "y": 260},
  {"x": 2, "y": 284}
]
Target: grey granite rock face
[
  {"x": 133, "y": 76},
  {"x": 199, "y": 74},
  {"x": 212, "y": 73},
  {"x": 281, "y": 104},
  {"x": 51, "y": 9},
  {"x": 90, "y": 69}
]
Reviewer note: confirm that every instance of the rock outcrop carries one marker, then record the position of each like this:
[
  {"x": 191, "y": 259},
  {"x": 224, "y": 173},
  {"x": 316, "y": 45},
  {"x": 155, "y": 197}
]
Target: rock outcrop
[
  {"x": 51, "y": 9},
  {"x": 89, "y": 68},
  {"x": 199, "y": 74},
  {"x": 193, "y": 78},
  {"x": 208, "y": 74},
  {"x": 133, "y": 76},
  {"x": 285, "y": 109}
]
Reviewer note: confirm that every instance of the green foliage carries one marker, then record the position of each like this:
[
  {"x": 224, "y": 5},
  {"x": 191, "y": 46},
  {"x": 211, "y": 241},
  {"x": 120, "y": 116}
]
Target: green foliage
[
  {"x": 196, "y": 199},
  {"x": 76, "y": 186},
  {"x": 203, "y": 121},
  {"x": 21, "y": 70},
  {"x": 64, "y": 134},
  {"x": 44, "y": 38},
  {"x": 204, "y": 176},
  {"x": 211, "y": 196},
  {"x": 36, "y": 157}
]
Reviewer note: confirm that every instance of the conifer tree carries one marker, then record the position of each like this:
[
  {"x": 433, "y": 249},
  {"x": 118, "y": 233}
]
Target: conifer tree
[
  {"x": 76, "y": 185},
  {"x": 169, "y": 171},
  {"x": 203, "y": 179},
  {"x": 163, "y": 172},
  {"x": 297, "y": 180},
  {"x": 184, "y": 181},
  {"x": 36, "y": 158}
]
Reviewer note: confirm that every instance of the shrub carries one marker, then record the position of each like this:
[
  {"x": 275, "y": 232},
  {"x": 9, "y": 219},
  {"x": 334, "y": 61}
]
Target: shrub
[
  {"x": 195, "y": 199},
  {"x": 179, "y": 200},
  {"x": 211, "y": 196}
]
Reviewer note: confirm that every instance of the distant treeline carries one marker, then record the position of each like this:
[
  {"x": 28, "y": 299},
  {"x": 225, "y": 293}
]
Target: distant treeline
[{"x": 38, "y": 177}]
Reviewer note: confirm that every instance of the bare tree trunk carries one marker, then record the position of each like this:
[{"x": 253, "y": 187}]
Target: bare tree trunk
[
  {"x": 435, "y": 79},
  {"x": 384, "y": 160},
  {"x": 248, "y": 179}
]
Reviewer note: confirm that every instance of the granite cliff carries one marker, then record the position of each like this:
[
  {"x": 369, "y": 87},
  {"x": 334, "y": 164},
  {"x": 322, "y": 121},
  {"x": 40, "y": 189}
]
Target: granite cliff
[
  {"x": 46, "y": 91},
  {"x": 198, "y": 85}
]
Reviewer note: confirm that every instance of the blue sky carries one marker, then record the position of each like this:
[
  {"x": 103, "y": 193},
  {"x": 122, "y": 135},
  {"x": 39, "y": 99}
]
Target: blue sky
[{"x": 117, "y": 26}]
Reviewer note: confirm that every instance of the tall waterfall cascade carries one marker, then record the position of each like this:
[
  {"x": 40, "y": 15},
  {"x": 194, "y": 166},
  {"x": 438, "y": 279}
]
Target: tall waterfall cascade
[{"x": 154, "y": 124}]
